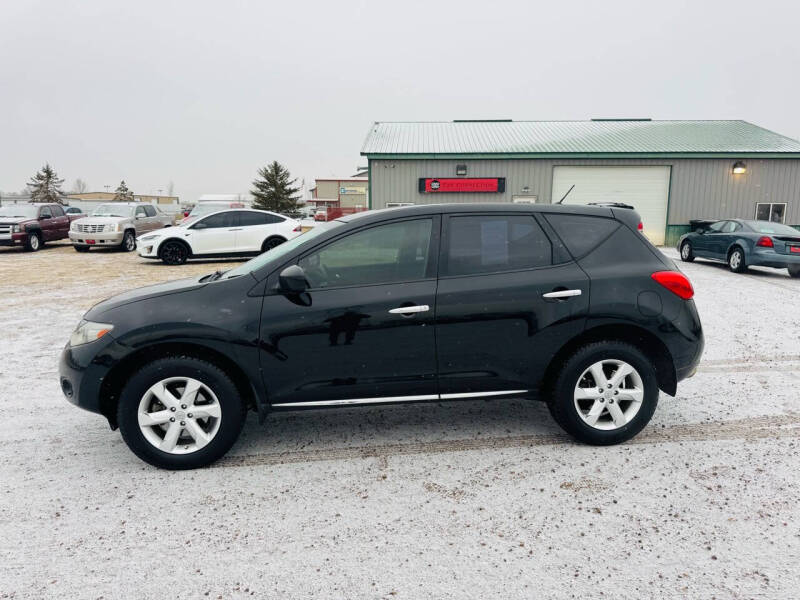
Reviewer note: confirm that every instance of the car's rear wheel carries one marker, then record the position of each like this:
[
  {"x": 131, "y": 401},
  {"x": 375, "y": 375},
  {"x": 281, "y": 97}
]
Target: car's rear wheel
[
  {"x": 34, "y": 241},
  {"x": 271, "y": 243},
  {"x": 174, "y": 253},
  {"x": 794, "y": 271},
  {"x": 81, "y": 248},
  {"x": 180, "y": 413},
  {"x": 687, "y": 255},
  {"x": 736, "y": 261},
  {"x": 605, "y": 394},
  {"x": 128, "y": 241}
]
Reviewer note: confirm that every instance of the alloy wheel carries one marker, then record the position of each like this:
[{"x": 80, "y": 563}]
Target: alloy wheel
[
  {"x": 174, "y": 253},
  {"x": 34, "y": 242},
  {"x": 735, "y": 260},
  {"x": 686, "y": 251},
  {"x": 130, "y": 242},
  {"x": 609, "y": 394},
  {"x": 179, "y": 415}
]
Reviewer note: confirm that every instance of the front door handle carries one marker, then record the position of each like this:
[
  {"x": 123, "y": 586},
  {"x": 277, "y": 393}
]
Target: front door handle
[
  {"x": 562, "y": 294},
  {"x": 410, "y": 310}
]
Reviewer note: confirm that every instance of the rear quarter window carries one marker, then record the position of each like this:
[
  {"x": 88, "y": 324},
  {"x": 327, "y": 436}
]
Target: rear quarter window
[{"x": 580, "y": 233}]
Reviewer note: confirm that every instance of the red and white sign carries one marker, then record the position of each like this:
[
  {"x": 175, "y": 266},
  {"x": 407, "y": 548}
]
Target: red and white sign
[{"x": 441, "y": 185}]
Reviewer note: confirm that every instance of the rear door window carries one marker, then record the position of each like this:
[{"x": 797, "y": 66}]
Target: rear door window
[
  {"x": 247, "y": 219},
  {"x": 483, "y": 244},
  {"x": 582, "y": 233}
]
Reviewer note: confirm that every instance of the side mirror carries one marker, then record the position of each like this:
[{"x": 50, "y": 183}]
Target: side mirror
[
  {"x": 43, "y": 217},
  {"x": 292, "y": 280}
]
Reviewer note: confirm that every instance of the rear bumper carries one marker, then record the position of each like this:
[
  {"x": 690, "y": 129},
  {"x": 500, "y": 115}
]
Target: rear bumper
[
  {"x": 110, "y": 238},
  {"x": 770, "y": 258},
  {"x": 687, "y": 342}
]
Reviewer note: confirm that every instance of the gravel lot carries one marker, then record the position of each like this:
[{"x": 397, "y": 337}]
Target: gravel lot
[{"x": 460, "y": 500}]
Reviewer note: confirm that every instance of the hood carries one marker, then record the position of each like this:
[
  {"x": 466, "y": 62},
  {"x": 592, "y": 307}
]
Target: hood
[
  {"x": 15, "y": 220},
  {"x": 103, "y": 220},
  {"x": 146, "y": 293}
]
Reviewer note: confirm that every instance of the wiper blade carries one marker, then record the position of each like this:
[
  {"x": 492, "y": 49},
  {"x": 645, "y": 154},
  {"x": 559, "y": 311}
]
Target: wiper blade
[{"x": 211, "y": 276}]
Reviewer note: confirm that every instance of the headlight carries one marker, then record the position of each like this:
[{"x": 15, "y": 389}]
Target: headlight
[
  {"x": 16, "y": 228},
  {"x": 73, "y": 226},
  {"x": 111, "y": 227},
  {"x": 145, "y": 238},
  {"x": 87, "y": 331}
]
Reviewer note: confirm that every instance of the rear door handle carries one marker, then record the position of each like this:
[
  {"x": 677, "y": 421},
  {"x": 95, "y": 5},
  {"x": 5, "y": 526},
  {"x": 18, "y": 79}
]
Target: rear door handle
[
  {"x": 410, "y": 310},
  {"x": 235, "y": 229},
  {"x": 562, "y": 294}
]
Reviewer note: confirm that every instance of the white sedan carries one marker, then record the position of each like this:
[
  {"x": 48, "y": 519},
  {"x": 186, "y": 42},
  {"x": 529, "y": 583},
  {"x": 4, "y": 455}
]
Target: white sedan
[{"x": 239, "y": 232}]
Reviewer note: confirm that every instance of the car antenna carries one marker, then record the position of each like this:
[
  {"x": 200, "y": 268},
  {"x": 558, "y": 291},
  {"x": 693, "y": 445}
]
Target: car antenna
[{"x": 565, "y": 195}]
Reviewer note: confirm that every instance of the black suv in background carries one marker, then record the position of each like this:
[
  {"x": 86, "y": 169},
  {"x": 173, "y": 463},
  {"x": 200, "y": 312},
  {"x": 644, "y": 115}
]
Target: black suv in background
[{"x": 569, "y": 304}]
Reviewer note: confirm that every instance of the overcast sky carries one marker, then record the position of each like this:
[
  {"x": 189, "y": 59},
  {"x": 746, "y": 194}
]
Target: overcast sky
[{"x": 204, "y": 93}]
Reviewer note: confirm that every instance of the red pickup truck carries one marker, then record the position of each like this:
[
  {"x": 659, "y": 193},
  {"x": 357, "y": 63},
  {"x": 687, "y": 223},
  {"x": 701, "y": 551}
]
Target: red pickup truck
[{"x": 32, "y": 224}]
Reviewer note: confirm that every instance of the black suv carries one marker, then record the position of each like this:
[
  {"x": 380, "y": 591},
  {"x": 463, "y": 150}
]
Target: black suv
[{"x": 570, "y": 304}]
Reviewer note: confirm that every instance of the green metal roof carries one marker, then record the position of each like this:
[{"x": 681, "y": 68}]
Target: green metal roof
[{"x": 567, "y": 138}]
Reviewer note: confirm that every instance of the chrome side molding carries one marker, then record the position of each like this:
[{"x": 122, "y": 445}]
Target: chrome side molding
[{"x": 396, "y": 399}]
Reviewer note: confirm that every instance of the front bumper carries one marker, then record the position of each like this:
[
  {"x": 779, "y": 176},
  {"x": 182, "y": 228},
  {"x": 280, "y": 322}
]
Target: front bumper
[
  {"x": 148, "y": 248},
  {"x": 83, "y": 369},
  {"x": 105, "y": 238},
  {"x": 13, "y": 239}
]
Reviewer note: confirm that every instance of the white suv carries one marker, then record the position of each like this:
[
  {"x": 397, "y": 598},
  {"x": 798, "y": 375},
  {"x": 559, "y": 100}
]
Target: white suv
[{"x": 239, "y": 232}]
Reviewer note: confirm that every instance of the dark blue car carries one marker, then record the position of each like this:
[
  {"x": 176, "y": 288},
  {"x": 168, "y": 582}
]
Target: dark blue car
[{"x": 744, "y": 244}]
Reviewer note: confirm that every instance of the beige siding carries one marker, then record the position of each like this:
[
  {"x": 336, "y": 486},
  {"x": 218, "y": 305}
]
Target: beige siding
[{"x": 699, "y": 187}]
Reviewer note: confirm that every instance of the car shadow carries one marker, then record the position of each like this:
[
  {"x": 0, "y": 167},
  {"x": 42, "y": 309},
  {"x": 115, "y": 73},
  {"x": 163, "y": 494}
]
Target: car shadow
[
  {"x": 378, "y": 426},
  {"x": 766, "y": 272}
]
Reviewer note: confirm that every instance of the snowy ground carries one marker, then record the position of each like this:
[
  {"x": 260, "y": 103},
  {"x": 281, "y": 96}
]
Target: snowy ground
[{"x": 460, "y": 500}]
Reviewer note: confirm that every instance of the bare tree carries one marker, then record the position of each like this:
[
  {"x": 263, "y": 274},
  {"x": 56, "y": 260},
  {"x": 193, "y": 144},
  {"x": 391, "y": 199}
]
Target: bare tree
[{"x": 80, "y": 186}]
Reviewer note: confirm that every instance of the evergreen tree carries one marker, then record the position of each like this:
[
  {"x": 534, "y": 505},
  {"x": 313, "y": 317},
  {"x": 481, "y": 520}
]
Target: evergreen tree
[
  {"x": 122, "y": 193},
  {"x": 45, "y": 186},
  {"x": 274, "y": 190}
]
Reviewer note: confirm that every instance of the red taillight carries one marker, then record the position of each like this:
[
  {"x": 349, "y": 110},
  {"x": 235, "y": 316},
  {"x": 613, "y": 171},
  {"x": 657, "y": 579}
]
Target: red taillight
[
  {"x": 675, "y": 282},
  {"x": 765, "y": 242},
  {"x": 640, "y": 226}
]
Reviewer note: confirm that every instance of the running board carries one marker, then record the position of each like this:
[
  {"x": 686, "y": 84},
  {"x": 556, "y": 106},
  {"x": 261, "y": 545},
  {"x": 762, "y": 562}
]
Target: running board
[{"x": 395, "y": 399}]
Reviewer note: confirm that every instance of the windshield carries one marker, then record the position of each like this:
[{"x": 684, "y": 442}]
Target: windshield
[
  {"x": 27, "y": 211},
  {"x": 113, "y": 210},
  {"x": 278, "y": 252},
  {"x": 769, "y": 227}
]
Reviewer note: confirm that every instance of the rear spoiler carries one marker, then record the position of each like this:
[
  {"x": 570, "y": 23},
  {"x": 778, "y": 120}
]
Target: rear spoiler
[{"x": 628, "y": 216}]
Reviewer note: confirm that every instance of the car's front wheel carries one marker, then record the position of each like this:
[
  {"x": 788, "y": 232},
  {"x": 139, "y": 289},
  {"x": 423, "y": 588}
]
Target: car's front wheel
[
  {"x": 174, "y": 253},
  {"x": 736, "y": 261},
  {"x": 180, "y": 413},
  {"x": 34, "y": 242},
  {"x": 128, "y": 241},
  {"x": 605, "y": 393},
  {"x": 687, "y": 255}
]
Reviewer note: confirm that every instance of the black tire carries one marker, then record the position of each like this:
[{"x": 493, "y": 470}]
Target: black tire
[
  {"x": 687, "y": 254},
  {"x": 233, "y": 411},
  {"x": 794, "y": 271},
  {"x": 81, "y": 248},
  {"x": 174, "y": 252},
  {"x": 272, "y": 242},
  {"x": 128, "y": 241},
  {"x": 736, "y": 261},
  {"x": 562, "y": 402},
  {"x": 34, "y": 241}
]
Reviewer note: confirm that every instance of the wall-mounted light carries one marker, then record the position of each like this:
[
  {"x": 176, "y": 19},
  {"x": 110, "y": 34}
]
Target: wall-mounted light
[
  {"x": 525, "y": 189},
  {"x": 739, "y": 167},
  {"x": 461, "y": 170}
]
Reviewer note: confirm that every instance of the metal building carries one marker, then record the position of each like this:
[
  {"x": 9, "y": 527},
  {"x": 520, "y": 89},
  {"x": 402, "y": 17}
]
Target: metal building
[{"x": 670, "y": 171}]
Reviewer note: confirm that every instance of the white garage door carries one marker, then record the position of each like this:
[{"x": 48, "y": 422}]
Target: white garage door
[{"x": 644, "y": 188}]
